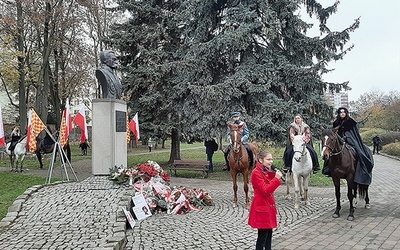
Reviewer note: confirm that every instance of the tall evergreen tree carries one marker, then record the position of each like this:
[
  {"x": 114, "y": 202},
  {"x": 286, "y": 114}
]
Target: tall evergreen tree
[{"x": 190, "y": 63}]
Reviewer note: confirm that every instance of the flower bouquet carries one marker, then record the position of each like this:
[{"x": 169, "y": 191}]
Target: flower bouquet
[{"x": 150, "y": 180}]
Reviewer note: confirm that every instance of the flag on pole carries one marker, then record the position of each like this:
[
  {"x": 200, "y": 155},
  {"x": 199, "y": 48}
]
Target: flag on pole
[
  {"x": 35, "y": 126},
  {"x": 134, "y": 126},
  {"x": 128, "y": 131},
  {"x": 2, "y": 137},
  {"x": 80, "y": 120},
  {"x": 66, "y": 125}
]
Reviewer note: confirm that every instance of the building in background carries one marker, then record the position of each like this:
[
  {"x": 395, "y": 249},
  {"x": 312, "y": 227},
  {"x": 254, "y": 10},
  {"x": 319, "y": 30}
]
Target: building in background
[{"x": 338, "y": 100}]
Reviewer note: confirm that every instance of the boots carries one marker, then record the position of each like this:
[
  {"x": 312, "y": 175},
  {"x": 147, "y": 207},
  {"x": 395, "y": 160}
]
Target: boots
[
  {"x": 226, "y": 153},
  {"x": 316, "y": 169},
  {"x": 325, "y": 170},
  {"x": 250, "y": 153}
]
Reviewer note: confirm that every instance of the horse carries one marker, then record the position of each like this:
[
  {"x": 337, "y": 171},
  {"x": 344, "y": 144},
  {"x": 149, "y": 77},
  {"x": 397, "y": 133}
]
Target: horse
[
  {"x": 84, "y": 147},
  {"x": 342, "y": 165},
  {"x": 17, "y": 155},
  {"x": 301, "y": 170},
  {"x": 239, "y": 161},
  {"x": 46, "y": 146}
]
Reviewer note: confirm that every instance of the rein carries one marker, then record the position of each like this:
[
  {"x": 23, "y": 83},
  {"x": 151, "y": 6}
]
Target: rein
[
  {"x": 331, "y": 149},
  {"x": 303, "y": 152}
]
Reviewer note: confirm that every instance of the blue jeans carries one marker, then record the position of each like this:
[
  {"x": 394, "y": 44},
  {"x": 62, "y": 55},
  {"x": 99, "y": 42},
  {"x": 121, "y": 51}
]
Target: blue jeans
[{"x": 209, "y": 158}]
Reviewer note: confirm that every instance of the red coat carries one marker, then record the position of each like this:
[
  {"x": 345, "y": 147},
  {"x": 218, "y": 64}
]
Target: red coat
[{"x": 263, "y": 207}]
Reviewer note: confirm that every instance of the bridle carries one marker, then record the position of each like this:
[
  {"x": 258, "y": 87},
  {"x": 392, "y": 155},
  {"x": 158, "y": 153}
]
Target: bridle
[
  {"x": 303, "y": 152},
  {"x": 331, "y": 149},
  {"x": 236, "y": 142}
]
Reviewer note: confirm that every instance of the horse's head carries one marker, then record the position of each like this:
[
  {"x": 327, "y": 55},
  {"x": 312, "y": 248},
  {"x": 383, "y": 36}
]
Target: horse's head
[
  {"x": 329, "y": 142},
  {"x": 299, "y": 147},
  {"x": 16, "y": 131},
  {"x": 235, "y": 136}
]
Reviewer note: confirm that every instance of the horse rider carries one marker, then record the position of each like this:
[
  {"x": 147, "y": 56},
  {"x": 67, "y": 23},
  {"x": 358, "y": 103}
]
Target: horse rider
[
  {"x": 47, "y": 142},
  {"x": 15, "y": 137},
  {"x": 299, "y": 127},
  {"x": 245, "y": 133},
  {"x": 348, "y": 131}
]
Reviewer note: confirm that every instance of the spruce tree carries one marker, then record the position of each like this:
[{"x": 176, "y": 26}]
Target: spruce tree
[{"x": 188, "y": 64}]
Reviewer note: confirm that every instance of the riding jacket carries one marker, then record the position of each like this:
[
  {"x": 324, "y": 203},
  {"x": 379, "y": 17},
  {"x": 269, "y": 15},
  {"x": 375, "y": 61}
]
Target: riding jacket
[{"x": 244, "y": 131}]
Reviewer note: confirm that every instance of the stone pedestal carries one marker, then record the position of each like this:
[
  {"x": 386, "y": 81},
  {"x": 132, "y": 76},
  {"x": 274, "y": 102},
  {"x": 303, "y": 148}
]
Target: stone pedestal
[{"x": 109, "y": 146}]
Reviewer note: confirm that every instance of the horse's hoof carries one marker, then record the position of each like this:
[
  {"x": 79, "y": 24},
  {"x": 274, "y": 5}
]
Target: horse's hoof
[
  {"x": 296, "y": 206},
  {"x": 350, "y": 218},
  {"x": 335, "y": 216},
  {"x": 234, "y": 205},
  {"x": 308, "y": 203},
  {"x": 367, "y": 206}
]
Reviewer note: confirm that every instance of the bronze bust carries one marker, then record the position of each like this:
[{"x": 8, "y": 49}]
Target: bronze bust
[{"x": 110, "y": 84}]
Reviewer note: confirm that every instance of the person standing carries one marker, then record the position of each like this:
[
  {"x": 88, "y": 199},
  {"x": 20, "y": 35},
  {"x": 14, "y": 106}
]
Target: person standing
[
  {"x": 211, "y": 146},
  {"x": 263, "y": 212},
  {"x": 299, "y": 127},
  {"x": 377, "y": 143},
  {"x": 150, "y": 144}
]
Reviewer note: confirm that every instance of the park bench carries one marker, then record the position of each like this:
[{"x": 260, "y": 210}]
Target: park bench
[{"x": 190, "y": 165}]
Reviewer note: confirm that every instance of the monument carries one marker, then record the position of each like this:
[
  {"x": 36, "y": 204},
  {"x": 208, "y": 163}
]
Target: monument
[{"x": 109, "y": 145}]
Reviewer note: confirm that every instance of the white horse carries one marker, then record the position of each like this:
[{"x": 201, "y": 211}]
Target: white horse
[
  {"x": 18, "y": 155},
  {"x": 301, "y": 170}
]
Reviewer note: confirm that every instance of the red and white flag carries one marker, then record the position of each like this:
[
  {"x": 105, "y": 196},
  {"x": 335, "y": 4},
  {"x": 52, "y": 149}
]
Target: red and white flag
[
  {"x": 134, "y": 126},
  {"x": 80, "y": 120},
  {"x": 66, "y": 125},
  {"x": 35, "y": 126},
  {"x": 2, "y": 137}
]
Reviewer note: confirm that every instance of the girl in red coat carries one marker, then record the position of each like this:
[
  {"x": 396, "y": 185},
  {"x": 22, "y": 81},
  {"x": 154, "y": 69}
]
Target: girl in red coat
[{"x": 263, "y": 207}]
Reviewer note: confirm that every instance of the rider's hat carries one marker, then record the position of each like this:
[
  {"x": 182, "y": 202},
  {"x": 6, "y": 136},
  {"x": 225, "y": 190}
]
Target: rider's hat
[{"x": 235, "y": 114}]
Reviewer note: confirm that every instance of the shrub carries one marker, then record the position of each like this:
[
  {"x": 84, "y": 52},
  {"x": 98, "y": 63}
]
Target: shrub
[
  {"x": 391, "y": 137},
  {"x": 392, "y": 149}
]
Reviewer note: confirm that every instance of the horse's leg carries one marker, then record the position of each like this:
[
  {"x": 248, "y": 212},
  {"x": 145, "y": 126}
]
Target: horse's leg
[
  {"x": 288, "y": 176},
  {"x": 235, "y": 187},
  {"x": 296, "y": 180},
  {"x": 246, "y": 187},
  {"x": 22, "y": 161},
  {"x": 350, "y": 196},
  {"x": 354, "y": 190},
  {"x": 11, "y": 162},
  {"x": 305, "y": 185},
  {"x": 367, "y": 205},
  {"x": 39, "y": 156},
  {"x": 336, "y": 182}
]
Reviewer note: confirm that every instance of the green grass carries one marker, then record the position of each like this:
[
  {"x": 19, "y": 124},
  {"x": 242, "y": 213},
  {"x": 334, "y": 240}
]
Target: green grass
[{"x": 12, "y": 186}]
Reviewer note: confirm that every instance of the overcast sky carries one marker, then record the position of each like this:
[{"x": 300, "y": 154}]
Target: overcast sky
[{"x": 374, "y": 62}]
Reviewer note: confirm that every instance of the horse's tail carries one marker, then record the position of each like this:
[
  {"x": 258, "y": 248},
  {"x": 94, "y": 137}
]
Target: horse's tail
[{"x": 362, "y": 190}]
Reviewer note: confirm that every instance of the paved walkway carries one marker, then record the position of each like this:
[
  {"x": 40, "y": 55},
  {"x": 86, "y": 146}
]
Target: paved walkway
[{"x": 87, "y": 215}]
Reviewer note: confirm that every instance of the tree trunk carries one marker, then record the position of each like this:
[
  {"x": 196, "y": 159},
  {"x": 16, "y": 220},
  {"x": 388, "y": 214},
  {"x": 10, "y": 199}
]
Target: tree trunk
[
  {"x": 21, "y": 69},
  {"x": 175, "y": 146},
  {"x": 44, "y": 79}
]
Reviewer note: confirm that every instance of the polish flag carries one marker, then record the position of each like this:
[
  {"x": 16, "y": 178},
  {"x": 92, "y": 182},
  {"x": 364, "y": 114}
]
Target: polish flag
[
  {"x": 80, "y": 120},
  {"x": 134, "y": 126},
  {"x": 66, "y": 125},
  {"x": 2, "y": 137}
]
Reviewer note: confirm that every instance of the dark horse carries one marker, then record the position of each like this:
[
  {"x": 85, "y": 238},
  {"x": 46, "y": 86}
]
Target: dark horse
[
  {"x": 342, "y": 165},
  {"x": 46, "y": 146},
  {"x": 239, "y": 161}
]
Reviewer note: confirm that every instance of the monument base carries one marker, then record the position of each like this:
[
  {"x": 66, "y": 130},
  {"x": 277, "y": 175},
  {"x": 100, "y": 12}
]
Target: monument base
[{"x": 109, "y": 145}]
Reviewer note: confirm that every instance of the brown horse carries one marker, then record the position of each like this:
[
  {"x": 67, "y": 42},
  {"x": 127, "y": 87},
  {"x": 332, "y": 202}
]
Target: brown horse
[
  {"x": 342, "y": 165},
  {"x": 239, "y": 161}
]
